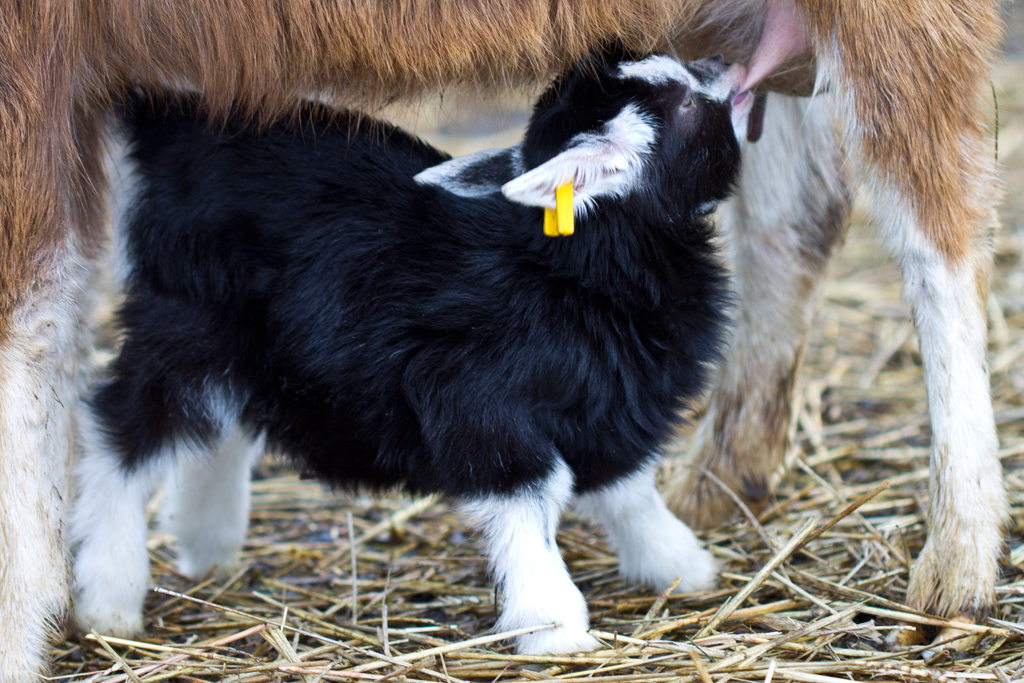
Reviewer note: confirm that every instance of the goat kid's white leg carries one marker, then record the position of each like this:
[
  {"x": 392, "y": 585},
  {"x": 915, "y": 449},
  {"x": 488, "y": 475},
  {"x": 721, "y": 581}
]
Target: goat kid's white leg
[
  {"x": 519, "y": 535},
  {"x": 206, "y": 503},
  {"x": 654, "y": 547},
  {"x": 108, "y": 527}
]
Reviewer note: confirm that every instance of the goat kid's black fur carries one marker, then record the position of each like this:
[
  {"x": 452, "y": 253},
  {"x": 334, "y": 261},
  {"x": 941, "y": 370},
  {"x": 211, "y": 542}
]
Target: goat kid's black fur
[{"x": 383, "y": 331}]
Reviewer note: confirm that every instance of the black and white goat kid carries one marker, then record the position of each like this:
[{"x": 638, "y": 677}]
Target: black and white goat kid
[{"x": 385, "y": 315}]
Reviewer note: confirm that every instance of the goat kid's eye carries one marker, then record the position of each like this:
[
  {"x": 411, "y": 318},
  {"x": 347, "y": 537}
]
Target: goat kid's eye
[{"x": 687, "y": 101}]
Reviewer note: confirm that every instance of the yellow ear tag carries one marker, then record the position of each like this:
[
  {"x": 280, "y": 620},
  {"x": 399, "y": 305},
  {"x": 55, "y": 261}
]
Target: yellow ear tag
[
  {"x": 563, "y": 207},
  {"x": 550, "y": 223}
]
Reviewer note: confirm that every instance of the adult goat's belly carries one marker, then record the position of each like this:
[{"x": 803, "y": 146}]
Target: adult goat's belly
[{"x": 266, "y": 53}]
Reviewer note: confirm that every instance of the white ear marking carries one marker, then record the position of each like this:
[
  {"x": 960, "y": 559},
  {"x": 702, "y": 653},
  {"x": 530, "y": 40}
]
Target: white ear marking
[
  {"x": 656, "y": 70},
  {"x": 474, "y": 175},
  {"x": 602, "y": 164}
]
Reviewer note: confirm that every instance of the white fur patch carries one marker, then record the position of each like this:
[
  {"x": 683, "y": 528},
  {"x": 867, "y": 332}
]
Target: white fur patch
[
  {"x": 606, "y": 164},
  {"x": 519, "y": 537},
  {"x": 718, "y": 90},
  {"x": 968, "y": 505},
  {"x": 662, "y": 70},
  {"x": 39, "y": 361},
  {"x": 222, "y": 409},
  {"x": 656, "y": 70},
  {"x": 472, "y": 175},
  {"x": 654, "y": 546},
  {"x": 108, "y": 525},
  {"x": 124, "y": 189},
  {"x": 206, "y": 503}
]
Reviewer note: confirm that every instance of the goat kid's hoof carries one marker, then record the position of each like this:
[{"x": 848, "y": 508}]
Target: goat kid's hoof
[
  {"x": 108, "y": 620},
  {"x": 702, "y": 573},
  {"x": 557, "y": 641},
  {"x": 695, "y": 566}
]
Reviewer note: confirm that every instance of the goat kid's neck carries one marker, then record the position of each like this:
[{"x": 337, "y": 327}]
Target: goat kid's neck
[{"x": 631, "y": 256}]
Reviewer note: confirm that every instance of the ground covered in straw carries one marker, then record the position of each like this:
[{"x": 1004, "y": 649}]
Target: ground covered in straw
[{"x": 391, "y": 588}]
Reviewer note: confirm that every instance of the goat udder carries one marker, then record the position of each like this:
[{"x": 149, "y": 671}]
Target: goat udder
[{"x": 783, "y": 38}]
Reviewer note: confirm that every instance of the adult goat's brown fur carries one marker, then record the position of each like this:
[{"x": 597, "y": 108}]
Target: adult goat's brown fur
[{"x": 903, "y": 78}]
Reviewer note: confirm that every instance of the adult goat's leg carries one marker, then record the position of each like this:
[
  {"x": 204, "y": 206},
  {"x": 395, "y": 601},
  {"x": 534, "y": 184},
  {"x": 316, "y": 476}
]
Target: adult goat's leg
[
  {"x": 910, "y": 79},
  {"x": 789, "y": 213},
  {"x": 954, "y": 576},
  {"x": 50, "y": 184}
]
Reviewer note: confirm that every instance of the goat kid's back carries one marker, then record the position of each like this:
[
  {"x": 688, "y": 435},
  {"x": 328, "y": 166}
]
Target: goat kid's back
[{"x": 387, "y": 316}]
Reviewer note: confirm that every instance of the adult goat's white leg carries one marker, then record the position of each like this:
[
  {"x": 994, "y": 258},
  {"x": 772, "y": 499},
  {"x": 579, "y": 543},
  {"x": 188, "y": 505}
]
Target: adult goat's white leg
[
  {"x": 956, "y": 571},
  {"x": 206, "y": 503},
  {"x": 38, "y": 388},
  {"x": 45, "y": 348},
  {"x": 519, "y": 536},
  {"x": 789, "y": 213},
  {"x": 915, "y": 120},
  {"x": 654, "y": 547}
]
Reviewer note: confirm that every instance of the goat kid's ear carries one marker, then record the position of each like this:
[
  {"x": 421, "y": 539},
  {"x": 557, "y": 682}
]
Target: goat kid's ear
[
  {"x": 608, "y": 163},
  {"x": 474, "y": 175}
]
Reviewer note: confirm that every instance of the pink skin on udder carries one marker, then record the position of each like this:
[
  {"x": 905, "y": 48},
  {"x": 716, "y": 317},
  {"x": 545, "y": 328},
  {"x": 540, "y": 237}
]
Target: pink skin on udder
[{"x": 784, "y": 37}]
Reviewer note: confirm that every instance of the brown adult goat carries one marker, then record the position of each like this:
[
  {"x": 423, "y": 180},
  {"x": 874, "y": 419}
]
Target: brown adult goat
[{"x": 903, "y": 76}]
